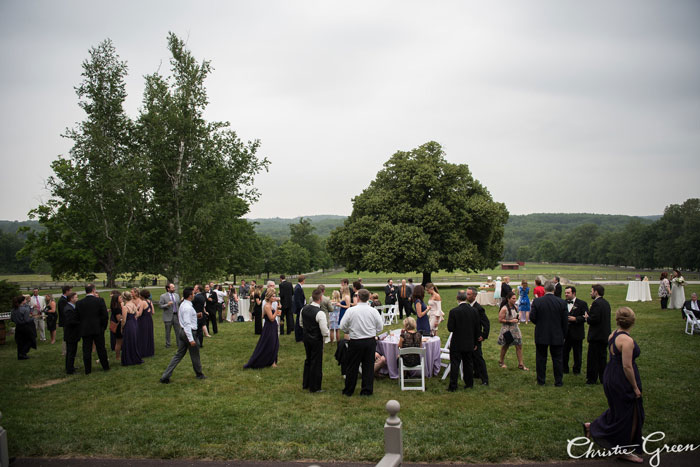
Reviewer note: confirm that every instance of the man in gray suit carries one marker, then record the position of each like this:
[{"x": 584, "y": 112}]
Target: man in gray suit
[{"x": 169, "y": 302}]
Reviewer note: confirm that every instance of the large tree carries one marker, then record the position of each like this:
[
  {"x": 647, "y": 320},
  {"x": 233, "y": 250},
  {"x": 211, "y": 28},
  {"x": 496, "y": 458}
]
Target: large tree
[
  {"x": 423, "y": 214},
  {"x": 200, "y": 173},
  {"x": 89, "y": 221}
]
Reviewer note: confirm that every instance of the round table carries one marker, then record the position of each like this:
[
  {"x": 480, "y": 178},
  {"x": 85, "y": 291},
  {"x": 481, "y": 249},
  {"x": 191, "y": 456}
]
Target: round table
[
  {"x": 389, "y": 347},
  {"x": 485, "y": 298},
  {"x": 638, "y": 291}
]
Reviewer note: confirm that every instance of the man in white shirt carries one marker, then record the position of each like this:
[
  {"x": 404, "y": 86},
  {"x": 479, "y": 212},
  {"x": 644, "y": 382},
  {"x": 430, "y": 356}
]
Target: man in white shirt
[
  {"x": 185, "y": 338},
  {"x": 362, "y": 323},
  {"x": 315, "y": 327},
  {"x": 38, "y": 303}
]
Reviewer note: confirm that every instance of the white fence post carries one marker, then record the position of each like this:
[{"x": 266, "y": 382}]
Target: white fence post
[{"x": 393, "y": 439}]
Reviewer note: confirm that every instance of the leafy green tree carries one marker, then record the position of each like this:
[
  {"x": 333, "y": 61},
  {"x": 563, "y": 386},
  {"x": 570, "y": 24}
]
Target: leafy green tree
[
  {"x": 291, "y": 258},
  {"x": 8, "y": 291},
  {"x": 96, "y": 193},
  {"x": 678, "y": 233},
  {"x": 421, "y": 214},
  {"x": 10, "y": 245},
  {"x": 200, "y": 173},
  {"x": 266, "y": 259}
]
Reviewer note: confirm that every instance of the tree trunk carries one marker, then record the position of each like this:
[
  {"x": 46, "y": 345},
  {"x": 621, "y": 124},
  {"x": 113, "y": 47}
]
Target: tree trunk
[
  {"x": 426, "y": 278},
  {"x": 111, "y": 279}
]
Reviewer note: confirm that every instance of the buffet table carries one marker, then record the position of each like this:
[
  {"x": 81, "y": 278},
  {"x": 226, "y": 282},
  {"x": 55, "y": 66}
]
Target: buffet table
[{"x": 485, "y": 298}]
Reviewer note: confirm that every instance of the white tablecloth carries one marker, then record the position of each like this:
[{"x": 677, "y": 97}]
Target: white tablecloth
[
  {"x": 638, "y": 291},
  {"x": 485, "y": 298}
]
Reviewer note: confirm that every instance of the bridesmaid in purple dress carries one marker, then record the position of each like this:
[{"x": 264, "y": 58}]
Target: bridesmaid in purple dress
[
  {"x": 147, "y": 346},
  {"x": 265, "y": 353},
  {"x": 130, "y": 347},
  {"x": 621, "y": 424}
]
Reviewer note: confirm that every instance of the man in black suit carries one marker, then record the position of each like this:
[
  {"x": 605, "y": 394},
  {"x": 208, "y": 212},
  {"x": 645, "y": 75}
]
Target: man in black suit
[
  {"x": 550, "y": 317},
  {"x": 505, "y": 287},
  {"x": 299, "y": 300},
  {"x": 485, "y": 327},
  {"x": 557, "y": 286},
  {"x": 198, "y": 303},
  {"x": 577, "y": 309},
  {"x": 92, "y": 312},
  {"x": 463, "y": 323},
  {"x": 286, "y": 296},
  {"x": 389, "y": 293},
  {"x": 60, "y": 307},
  {"x": 692, "y": 306},
  {"x": 210, "y": 307},
  {"x": 71, "y": 330},
  {"x": 403, "y": 295},
  {"x": 598, "y": 319}
]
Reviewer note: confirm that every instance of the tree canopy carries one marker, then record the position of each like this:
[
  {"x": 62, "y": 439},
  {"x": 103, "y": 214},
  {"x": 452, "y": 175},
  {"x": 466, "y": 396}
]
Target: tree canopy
[{"x": 421, "y": 213}]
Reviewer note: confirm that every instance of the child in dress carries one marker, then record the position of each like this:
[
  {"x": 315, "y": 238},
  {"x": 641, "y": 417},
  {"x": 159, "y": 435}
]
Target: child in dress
[{"x": 334, "y": 316}]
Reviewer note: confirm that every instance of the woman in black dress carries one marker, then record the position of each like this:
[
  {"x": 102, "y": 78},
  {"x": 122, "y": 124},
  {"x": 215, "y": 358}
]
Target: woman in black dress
[
  {"x": 621, "y": 424},
  {"x": 257, "y": 309},
  {"x": 51, "y": 316},
  {"x": 147, "y": 347},
  {"x": 115, "y": 337},
  {"x": 265, "y": 353}
]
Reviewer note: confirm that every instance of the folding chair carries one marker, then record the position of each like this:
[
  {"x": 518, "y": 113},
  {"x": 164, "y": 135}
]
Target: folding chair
[
  {"x": 445, "y": 355},
  {"x": 691, "y": 321},
  {"x": 421, "y": 367}
]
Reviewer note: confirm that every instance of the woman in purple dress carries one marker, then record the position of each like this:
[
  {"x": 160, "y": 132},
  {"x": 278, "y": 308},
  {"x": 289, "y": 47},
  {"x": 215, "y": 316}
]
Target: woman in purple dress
[
  {"x": 147, "y": 346},
  {"x": 115, "y": 308},
  {"x": 130, "y": 347},
  {"x": 621, "y": 424},
  {"x": 265, "y": 353}
]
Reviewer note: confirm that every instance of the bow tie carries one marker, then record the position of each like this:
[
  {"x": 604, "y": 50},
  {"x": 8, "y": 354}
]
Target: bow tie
[{"x": 569, "y": 301}]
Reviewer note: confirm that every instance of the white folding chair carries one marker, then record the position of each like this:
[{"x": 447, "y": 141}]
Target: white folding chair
[
  {"x": 421, "y": 367},
  {"x": 691, "y": 321},
  {"x": 385, "y": 311},
  {"x": 392, "y": 314},
  {"x": 445, "y": 355}
]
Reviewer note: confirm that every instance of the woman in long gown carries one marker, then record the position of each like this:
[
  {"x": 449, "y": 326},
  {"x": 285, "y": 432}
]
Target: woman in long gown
[
  {"x": 265, "y": 353},
  {"x": 524, "y": 301},
  {"x": 344, "y": 301},
  {"x": 435, "y": 315},
  {"x": 621, "y": 424},
  {"x": 421, "y": 309},
  {"x": 147, "y": 347},
  {"x": 257, "y": 309},
  {"x": 677, "y": 291},
  {"x": 130, "y": 332}
]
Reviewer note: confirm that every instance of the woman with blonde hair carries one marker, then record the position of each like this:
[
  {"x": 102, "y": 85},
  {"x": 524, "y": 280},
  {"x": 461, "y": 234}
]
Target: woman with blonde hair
[
  {"x": 345, "y": 302},
  {"x": 435, "y": 315},
  {"x": 267, "y": 348},
  {"x": 130, "y": 332},
  {"x": 621, "y": 424},
  {"x": 410, "y": 337}
]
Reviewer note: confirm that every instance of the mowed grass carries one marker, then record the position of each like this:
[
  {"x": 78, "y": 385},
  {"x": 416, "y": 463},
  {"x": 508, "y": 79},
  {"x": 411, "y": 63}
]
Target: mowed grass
[{"x": 265, "y": 415}]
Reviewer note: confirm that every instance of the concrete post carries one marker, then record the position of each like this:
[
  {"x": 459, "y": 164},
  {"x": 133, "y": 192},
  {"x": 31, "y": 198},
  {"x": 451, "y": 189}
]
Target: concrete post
[
  {"x": 393, "y": 440},
  {"x": 4, "y": 454}
]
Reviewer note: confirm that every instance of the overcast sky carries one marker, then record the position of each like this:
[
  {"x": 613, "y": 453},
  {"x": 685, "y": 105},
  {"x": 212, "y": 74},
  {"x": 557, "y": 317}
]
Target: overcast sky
[{"x": 556, "y": 106}]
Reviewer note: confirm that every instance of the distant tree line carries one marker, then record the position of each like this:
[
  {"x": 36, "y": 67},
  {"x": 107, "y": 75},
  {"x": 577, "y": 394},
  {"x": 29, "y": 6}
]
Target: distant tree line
[{"x": 671, "y": 241}]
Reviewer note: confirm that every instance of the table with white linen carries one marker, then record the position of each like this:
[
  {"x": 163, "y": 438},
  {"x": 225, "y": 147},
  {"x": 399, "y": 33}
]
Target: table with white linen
[
  {"x": 485, "y": 298},
  {"x": 638, "y": 291},
  {"x": 389, "y": 347}
]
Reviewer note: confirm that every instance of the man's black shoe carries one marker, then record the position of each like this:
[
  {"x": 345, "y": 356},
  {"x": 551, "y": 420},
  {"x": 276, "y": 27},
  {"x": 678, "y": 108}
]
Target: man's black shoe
[
  {"x": 201, "y": 376},
  {"x": 164, "y": 381}
]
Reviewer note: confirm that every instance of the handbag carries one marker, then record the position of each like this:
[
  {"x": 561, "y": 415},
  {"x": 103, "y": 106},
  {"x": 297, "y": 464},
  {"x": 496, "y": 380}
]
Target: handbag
[
  {"x": 508, "y": 337},
  {"x": 113, "y": 325}
]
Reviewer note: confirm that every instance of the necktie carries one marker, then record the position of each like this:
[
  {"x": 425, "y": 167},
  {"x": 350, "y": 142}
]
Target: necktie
[
  {"x": 172, "y": 299},
  {"x": 403, "y": 291}
]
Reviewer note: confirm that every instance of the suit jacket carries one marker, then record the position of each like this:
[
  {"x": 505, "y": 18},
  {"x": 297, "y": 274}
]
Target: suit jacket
[
  {"x": 551, "y": 319},
  {"x": 168, "y": 310},
  {"x": 299, "y": 298},
  {"x": 576, "y": 330},
  {"x": 198, "y": 304},
  {"x": 465, "y": 325},
  {"x": 71, "y": 323},
  {"x": 92, "y": 312},
  {"x": 599, "y": 321},
  {"x": 687, "y": 305},
  {"x": 505, "y": 290},
  {"x": 60, "y": 306},
  {"x": 484, "y": 322},
  {"x": 389, "y": 294},
  {"x": 286, "y": 294},
  {"x": 557, "y": 290}
]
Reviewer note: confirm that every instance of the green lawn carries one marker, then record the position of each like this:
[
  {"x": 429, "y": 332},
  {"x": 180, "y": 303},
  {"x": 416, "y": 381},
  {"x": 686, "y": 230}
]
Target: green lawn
[{"x": 264, "y": 414}]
